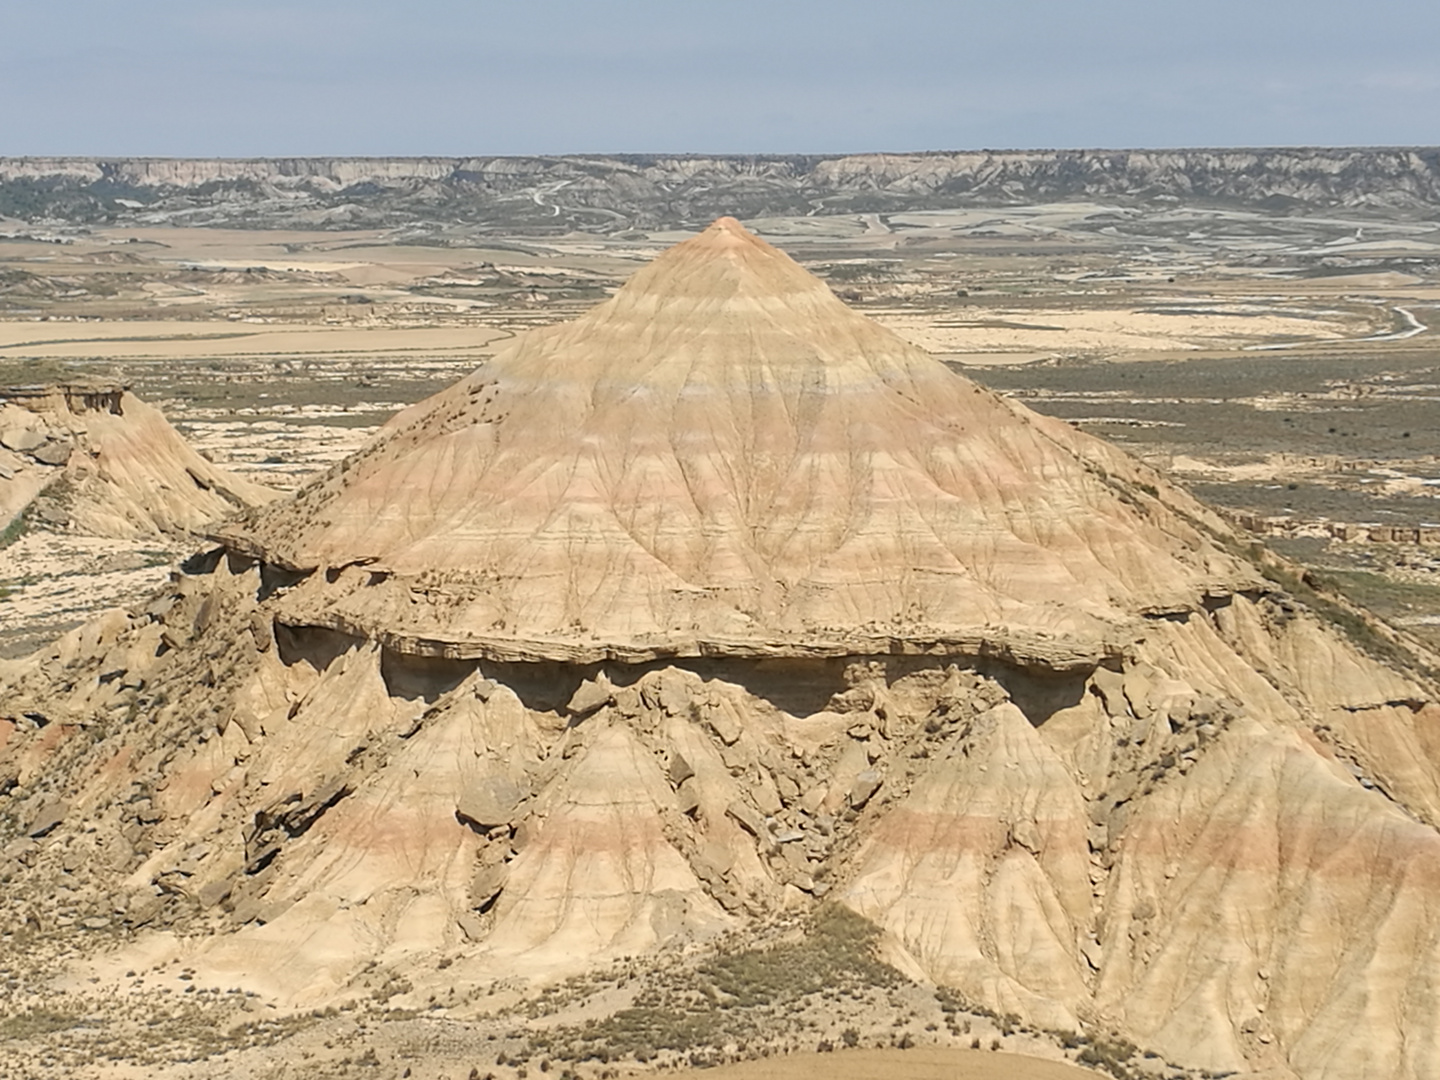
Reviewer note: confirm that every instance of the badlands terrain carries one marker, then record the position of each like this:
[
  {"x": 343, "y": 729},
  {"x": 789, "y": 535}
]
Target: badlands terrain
[
  {"x": 1268, "y": 345},
  {"x": 1109, "y": 784}
]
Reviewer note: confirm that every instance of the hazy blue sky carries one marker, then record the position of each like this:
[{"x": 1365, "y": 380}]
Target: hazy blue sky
[{"x": 213, "y": 78}]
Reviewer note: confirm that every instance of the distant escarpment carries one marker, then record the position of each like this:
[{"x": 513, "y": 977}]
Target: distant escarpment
[{"x": 611, "y": 194}]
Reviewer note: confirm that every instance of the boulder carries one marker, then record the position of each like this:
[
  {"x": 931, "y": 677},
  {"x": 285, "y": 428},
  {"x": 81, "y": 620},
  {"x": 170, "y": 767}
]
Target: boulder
[
  {"x": 50, "y": 814},
  {"x": 590, "y": 696},
  {"x": 22, "y": 440},
  {"x": 749, "y": 818},
  {"x": 490, "y": 801},
  {"x": 679, "y": 770},
  {"x": 55, "y": 452},
  {"x": 687, "y": 796},
  {"x": 487, "y": 883},
  {"x": 864, "y": 788}
]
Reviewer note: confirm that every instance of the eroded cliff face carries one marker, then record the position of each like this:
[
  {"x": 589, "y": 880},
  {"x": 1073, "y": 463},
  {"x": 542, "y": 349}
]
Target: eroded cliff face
[
  {"x": 1233, "y": 864},
  {"x": 613, "y": 193}
]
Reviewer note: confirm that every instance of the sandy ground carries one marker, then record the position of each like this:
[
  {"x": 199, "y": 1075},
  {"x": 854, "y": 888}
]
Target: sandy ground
[
  {"x": 1056, "y": 330},
  {"x": 361, "y": 256},
  {"x": 282, "y": 455},
  {"x": 52, "y": 581},
  {"x": 920, "y": 1063},
  {"x": 203, "y": 340}
]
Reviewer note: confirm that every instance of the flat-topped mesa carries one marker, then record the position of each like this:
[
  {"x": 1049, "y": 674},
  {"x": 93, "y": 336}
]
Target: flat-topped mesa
[{"x": 725, "y": 459}]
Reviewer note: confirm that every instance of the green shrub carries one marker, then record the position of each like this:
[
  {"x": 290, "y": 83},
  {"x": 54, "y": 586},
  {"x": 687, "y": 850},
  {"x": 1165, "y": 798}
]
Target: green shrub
[
  {"x": 732, "y": 997},
  {"x": 13, "y": 531}
]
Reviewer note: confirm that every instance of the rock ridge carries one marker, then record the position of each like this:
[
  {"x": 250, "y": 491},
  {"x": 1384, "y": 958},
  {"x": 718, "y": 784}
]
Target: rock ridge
[
  {"x": 618, "y": 192},
  {"x": 91, "y": 456}
]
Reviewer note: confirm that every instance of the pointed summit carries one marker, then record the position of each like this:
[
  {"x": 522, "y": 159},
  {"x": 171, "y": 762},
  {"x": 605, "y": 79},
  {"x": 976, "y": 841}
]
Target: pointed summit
[
  {"x": 725, "y": 262},
  {"x": 727, "y": 226},
  {"x": 726, "y": 233},
  {"x": 726, "y": 251},
  {"x": 725, "y": 459}
]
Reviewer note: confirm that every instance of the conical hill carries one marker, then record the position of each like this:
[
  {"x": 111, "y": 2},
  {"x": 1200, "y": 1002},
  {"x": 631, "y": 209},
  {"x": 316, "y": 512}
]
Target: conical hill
[{"x": 724, "y": 459}]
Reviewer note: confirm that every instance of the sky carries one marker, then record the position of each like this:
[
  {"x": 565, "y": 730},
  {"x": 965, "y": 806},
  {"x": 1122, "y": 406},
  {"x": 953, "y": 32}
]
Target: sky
[{"x": 217, "y": 78}]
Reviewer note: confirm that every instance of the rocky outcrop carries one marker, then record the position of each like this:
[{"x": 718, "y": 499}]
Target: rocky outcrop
[
  {"x": 94, "y": 458},
  {"x": 1202, "y": 844}
]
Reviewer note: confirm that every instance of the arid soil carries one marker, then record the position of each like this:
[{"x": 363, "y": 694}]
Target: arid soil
[{"x": 917, "y": 1064}]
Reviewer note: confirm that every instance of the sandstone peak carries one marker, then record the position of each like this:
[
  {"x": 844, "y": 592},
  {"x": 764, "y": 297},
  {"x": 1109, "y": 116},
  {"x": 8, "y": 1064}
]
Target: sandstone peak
[
  {"x": 727, "y": 232},
  {"x": 722, "y": 271},
  {"x": 723, "y": 458},
  {"x": 725, "y": 252}
]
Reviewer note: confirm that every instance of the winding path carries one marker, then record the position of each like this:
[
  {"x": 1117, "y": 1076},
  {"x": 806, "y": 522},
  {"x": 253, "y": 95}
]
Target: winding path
[{"x": 1415, "y": 327}]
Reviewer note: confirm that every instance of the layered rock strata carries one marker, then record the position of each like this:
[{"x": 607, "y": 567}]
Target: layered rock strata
[{"x": 724, "y": 459}]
